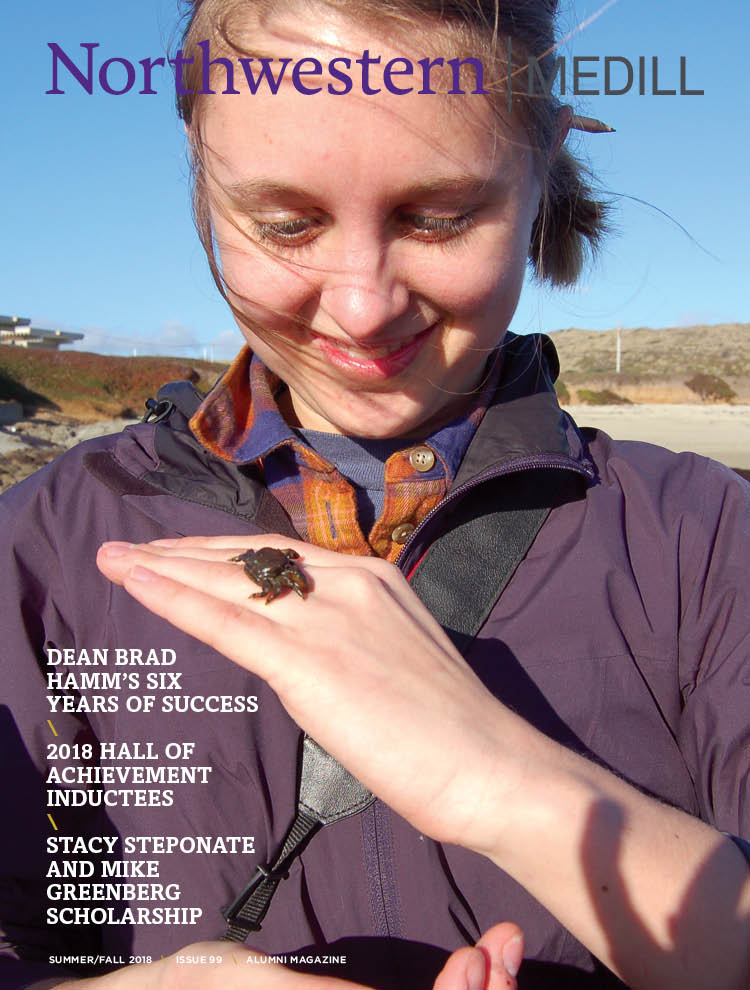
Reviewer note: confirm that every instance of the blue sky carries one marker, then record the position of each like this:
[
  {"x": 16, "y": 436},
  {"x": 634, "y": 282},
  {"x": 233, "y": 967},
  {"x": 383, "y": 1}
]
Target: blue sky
[{"x": 97, "y": 235}]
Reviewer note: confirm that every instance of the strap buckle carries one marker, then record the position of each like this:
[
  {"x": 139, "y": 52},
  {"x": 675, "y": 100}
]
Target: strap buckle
[
  {"x": 157, "y": 410},
  {"x": 263, "y": 873}
]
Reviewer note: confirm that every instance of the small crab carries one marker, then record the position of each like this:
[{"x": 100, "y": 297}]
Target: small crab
[{"x": 274, "y": 570}]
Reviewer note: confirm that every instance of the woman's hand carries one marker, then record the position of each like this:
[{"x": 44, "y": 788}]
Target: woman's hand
[
  {"x": 360, "y": 664},
  {"x": 490, "y": 965}
]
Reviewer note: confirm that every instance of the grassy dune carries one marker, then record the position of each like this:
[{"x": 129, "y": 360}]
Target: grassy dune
[
  {"x": 89, "y": 387},
  {"x": 655, "y": 363}
]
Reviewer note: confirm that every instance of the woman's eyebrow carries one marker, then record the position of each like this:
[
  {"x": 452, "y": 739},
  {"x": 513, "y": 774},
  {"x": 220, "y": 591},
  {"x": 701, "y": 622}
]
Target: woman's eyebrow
[
  {"x": 252, "y": 193},
  {"x": 463, "y": 184},
  {"x": 256, "y": 192}
]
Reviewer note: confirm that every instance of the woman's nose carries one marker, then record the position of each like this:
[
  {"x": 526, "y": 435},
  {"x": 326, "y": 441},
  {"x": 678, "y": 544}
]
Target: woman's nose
[{"x": 365, "y": 297}]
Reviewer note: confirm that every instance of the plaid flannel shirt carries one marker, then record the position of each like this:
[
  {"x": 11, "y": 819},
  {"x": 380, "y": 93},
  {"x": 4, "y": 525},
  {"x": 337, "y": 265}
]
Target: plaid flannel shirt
[{"x": 240, "y": 421}]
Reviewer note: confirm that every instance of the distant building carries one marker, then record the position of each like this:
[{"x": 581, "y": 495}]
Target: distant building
[{"x": 19, "y": 331}]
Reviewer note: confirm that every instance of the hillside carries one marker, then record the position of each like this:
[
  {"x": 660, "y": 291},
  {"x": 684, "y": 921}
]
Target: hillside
[
  {"x": 90, "y": 387},
  {"x": 656, "y": 363}
]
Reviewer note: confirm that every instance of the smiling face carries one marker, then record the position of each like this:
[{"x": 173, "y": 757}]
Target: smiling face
[{"x": 374, "y": 245}]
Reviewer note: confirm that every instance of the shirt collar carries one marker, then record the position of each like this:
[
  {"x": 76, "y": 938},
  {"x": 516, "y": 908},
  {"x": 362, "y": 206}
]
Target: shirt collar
[
  {"x": 239, "y": 419},
  {"x": 243, "y": 424}
]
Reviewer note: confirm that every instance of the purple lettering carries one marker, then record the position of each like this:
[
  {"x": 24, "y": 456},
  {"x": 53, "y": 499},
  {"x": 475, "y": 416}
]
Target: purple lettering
[
  {"x": 343, "y": 77},
  {"x": 298, "y": 71},
  {"x": 455, "y": 64},
  {"x": 104, "y": 76},
  {"x": 178, "y": 61},
  {"x": 86, "y": 81},
  {"x": 366, "y": 62},
  {"x": 148, "y": 64},
  {"x": 389, "y": 70},
  {"x": 206, "y": 63},
  {"x": 427, "y": 64},
  {"x": 265, "y": 73}
]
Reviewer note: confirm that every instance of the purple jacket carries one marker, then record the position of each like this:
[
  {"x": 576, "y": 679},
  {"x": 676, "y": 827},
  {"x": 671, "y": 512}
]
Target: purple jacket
[{"x": 624, "y": 634}]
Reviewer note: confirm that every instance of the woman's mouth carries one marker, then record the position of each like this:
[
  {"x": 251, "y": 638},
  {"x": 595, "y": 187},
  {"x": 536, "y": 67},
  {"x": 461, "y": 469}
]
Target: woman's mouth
[{"x": 381, "y": 362}]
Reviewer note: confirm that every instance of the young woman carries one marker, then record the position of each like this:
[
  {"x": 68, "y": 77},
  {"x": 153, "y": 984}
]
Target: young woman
[{"x": 581, "y": 771}]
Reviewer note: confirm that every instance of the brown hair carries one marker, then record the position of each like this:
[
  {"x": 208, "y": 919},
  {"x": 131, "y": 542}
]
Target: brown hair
[{"x": 571, "y": 220}]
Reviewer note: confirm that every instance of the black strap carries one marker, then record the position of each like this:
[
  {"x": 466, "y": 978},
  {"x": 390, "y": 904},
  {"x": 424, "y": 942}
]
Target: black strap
[
  {"x": 327, "y": 793},
  {"x": 467, "y": 568},
  {"x": 245, "y": 913},
  {"x": 742, "y": 844},
  {"x": 459, "y": 579}
]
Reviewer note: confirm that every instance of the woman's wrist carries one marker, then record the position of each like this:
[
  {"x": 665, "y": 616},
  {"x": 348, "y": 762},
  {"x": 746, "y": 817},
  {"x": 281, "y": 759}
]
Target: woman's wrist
[{"x": 512, "y": 771}]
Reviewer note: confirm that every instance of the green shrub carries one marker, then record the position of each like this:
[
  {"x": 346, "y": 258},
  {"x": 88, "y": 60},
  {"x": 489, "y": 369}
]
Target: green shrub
[
  {"x": 604, "y": 397},
  {"x": 711, "y": 387},
  {"x": 563, "y": 393}
]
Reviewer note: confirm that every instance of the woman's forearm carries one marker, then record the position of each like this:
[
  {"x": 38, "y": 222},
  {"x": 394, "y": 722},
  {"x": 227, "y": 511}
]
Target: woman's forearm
[{"x": 660, "y": 897}]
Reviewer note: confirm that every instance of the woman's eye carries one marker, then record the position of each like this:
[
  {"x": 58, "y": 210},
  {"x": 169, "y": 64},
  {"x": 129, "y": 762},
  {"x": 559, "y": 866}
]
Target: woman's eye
[
  {"x": 291, "y": 233},
  {"x": 301, "y": 231},
  {"x": 432, "y": 228}
]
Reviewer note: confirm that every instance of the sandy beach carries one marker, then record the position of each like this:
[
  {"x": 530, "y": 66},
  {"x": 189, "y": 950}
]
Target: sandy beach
[{"x": 718, "y": 431}]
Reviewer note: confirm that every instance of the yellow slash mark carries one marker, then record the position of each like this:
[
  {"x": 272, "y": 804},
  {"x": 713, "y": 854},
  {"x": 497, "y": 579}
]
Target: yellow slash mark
[
  {"x": 234, "y": 960},
  {"x": 53, "y": 821},
  {"x": 51, "y": 727}
]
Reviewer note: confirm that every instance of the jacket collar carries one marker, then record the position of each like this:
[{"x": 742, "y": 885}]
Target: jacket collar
[
  {"x": 524, "y": 420},
  {"x": 523, "y": 424}
]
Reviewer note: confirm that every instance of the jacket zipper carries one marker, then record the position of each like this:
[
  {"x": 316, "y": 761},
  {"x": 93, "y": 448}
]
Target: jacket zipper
[{"x": 510, "y": 467}]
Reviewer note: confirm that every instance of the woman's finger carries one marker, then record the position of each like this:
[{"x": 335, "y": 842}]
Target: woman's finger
[
  {"x": 237, "y": 544},
  {"x": 226, "y": 579},
  {"x": 491, "y": 965},
  {"x": 114, "y": 559},
  {"x": 227, "y": 626},
  {"x": 223, "y": 547},
  {"x": 340, "y": 584},
  {"x": 503, "y": 946},
  {"x": 466, "y": 969}
]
